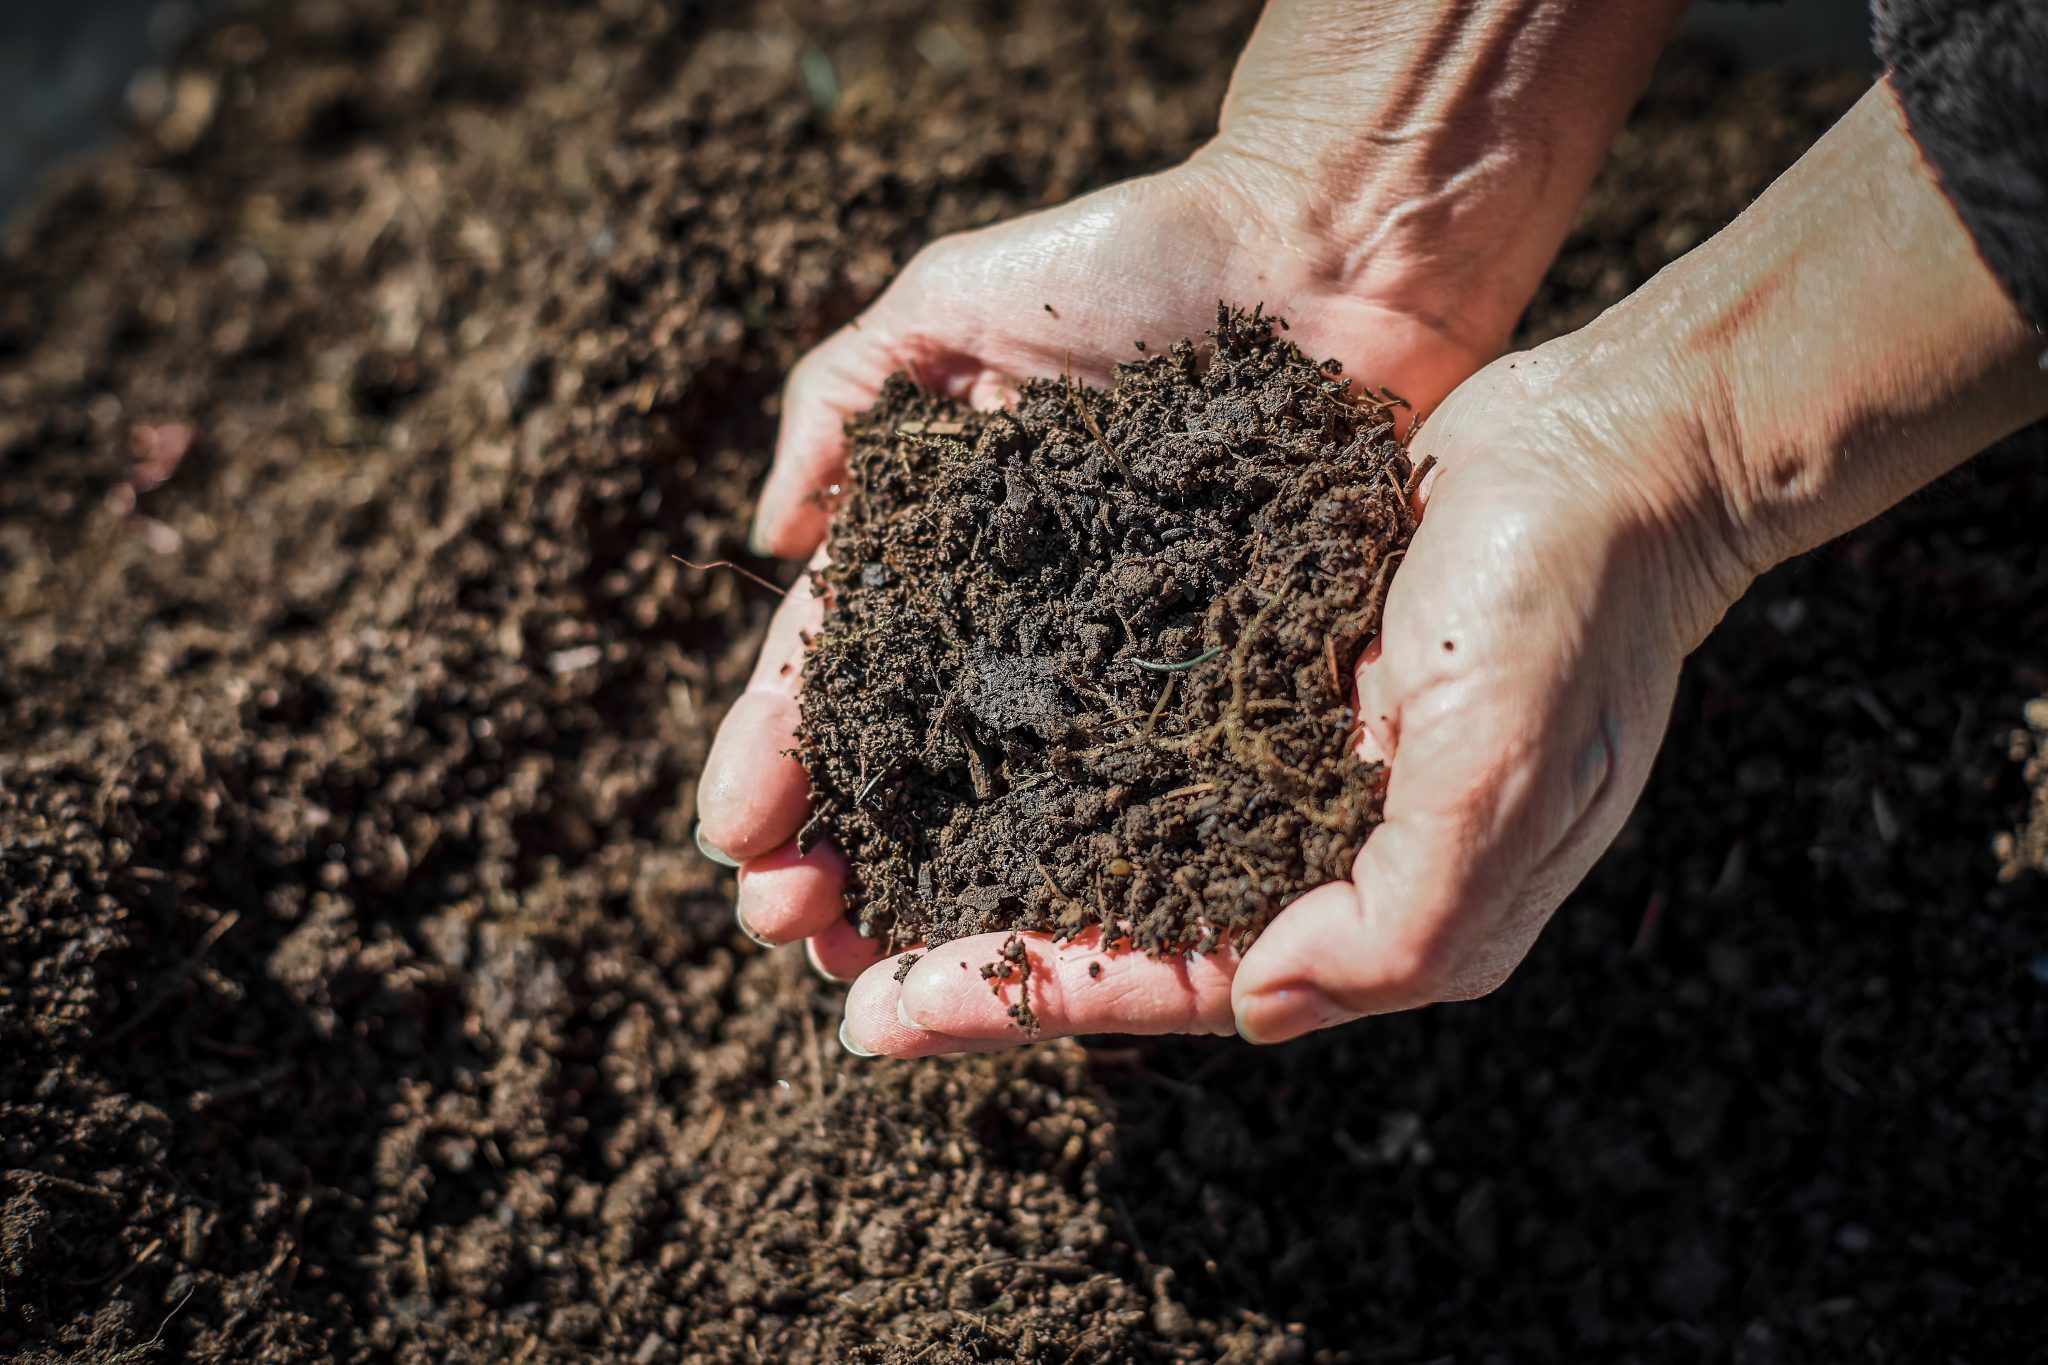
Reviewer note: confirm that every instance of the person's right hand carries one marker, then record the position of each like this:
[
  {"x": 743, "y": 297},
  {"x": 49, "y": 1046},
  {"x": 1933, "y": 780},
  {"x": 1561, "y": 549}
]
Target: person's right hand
[
  {"x": 1074, "y": 289},
  {"x": 1518, "y": 689}
]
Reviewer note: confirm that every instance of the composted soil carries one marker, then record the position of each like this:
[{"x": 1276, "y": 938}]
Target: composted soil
[
  {"x": 362, "y": 996},
  {"x": 1086, "y": 663}
]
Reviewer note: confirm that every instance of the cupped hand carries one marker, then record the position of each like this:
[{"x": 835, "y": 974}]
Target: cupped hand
[{"x": 1519, "y": 690}]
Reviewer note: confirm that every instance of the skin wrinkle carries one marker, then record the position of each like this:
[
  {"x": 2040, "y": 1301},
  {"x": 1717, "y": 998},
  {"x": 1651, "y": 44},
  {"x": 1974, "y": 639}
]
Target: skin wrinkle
[
  {"x": 1317, "y": 273},
  {"x": 1449, "y": 118},
  {"x": 1604, "y": 392},
  {"x": 1812, "y": 417},
  {"x": 1459, "y": 114}
]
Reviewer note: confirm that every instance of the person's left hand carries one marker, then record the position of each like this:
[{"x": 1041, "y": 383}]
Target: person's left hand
[{"x": 1519, "y": 690}]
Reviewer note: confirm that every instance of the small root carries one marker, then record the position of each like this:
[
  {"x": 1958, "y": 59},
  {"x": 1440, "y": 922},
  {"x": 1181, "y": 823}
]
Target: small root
[
  {"x": 1416, "y": 476},
  {"x": 739, "y": 569},
  {"x": 1159, "y": 706},
  {"x": 1094, "y": 427}
]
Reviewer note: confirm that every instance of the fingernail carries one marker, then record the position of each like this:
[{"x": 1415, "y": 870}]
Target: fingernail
[
  {"x": 1289, "y": 1012},
  {"x": 903, "y": 1017},
  {"x": 757, "y": 540},
  {"x": 713, "y": 851},
  {"x": 740, "y": 918},
  {"x": 846, "y": 1041}
]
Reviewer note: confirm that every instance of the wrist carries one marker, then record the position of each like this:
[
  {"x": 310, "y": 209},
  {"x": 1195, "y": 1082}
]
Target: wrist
[
  {"x": 1431, "y": 157},
  {"x": 1835, "y": 349},
  {"x": 1627, "y": 424},
  {"x": 1379, "y": 334},
  {"x": 1313, "y": 243}
]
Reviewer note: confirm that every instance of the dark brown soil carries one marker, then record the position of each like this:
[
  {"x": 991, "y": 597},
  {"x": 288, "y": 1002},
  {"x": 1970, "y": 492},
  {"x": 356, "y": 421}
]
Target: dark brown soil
[
  {"x": 362, "y": 997},
  {"x": 2025, "y": 850},
  {"x": 1088, "y": 663}
]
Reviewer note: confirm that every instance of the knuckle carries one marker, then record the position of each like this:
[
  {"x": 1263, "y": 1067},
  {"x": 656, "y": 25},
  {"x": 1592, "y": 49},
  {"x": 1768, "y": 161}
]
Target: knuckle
[
  {"x": 803, "y": 376},
  {"x": 1419, "y": 964}
]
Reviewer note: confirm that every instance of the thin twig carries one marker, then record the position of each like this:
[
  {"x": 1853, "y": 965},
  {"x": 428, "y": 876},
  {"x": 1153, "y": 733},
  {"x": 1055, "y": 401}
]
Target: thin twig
[
  {"x": 179, "y": 976},
  {"x": 739, "y": 569},
  {"x": 1159, "y": 706},
  {"x": 1427, "y": 463},
  {"x": 173, "y": 1313},
  {"x": 23, "y": 1173},
  {"x": 1052, "y": 885},
  {"x": 1094, "y": 429}
]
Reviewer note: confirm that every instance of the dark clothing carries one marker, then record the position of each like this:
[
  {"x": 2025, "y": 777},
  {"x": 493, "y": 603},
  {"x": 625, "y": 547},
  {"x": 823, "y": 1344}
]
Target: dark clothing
[{"x": 1973, "y": 78}]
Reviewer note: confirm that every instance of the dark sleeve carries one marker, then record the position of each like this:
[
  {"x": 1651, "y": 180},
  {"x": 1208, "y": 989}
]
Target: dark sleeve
[{"x": 1973, "y": 78}]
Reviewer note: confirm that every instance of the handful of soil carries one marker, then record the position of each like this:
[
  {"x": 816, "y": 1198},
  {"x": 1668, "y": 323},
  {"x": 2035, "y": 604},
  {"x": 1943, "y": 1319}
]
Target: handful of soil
[{"x": 1088, "y": 662}]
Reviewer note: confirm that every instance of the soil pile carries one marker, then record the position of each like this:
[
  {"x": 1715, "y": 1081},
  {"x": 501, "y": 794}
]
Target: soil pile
[
  {"x": 1088, "y": 663},
  {"x": 362, "y": 998}
]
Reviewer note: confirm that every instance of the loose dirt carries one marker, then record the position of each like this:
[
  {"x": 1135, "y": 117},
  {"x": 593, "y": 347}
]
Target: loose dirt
[
  {"x": 1088, "y": 662},
  {"x": 363, "y": 998}
]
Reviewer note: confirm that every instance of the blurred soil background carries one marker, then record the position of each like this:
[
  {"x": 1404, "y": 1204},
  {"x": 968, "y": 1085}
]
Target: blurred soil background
[{"x": 363, "y": 997}]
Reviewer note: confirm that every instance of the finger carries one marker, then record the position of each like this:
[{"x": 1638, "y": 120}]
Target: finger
[
  {"x": 1472, "y": 730},
  {"x": 786, "y": 895},
  {"x": 839, "y": 378},
  {"x": 753, "y": 795},
  {"x": 1073, "y": 988},
  {"x": 839, "y": 953},
  {"x": 873, "y": 1029}
]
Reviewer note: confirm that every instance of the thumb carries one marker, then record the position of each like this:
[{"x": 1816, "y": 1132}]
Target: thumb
[
  {"x": 1448, "y": 894},
  {"x": 1382, "y": 942},
  {"x": 834, "y": 381}
]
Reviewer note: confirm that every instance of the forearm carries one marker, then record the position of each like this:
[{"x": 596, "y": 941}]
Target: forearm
[
  {"x": 1839, "y": 346},
  {"x": 1433, "y": 155}
]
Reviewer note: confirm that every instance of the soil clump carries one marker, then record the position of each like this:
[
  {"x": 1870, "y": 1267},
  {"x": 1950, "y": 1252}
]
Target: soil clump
[{"x": 1088, "y": 663}]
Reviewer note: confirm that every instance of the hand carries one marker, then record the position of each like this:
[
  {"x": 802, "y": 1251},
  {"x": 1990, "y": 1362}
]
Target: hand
[
  {"x": 1392, "y": 179},
  {"x": 1076, "y": 288},
  {"x": 1519, "y": 690}
]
